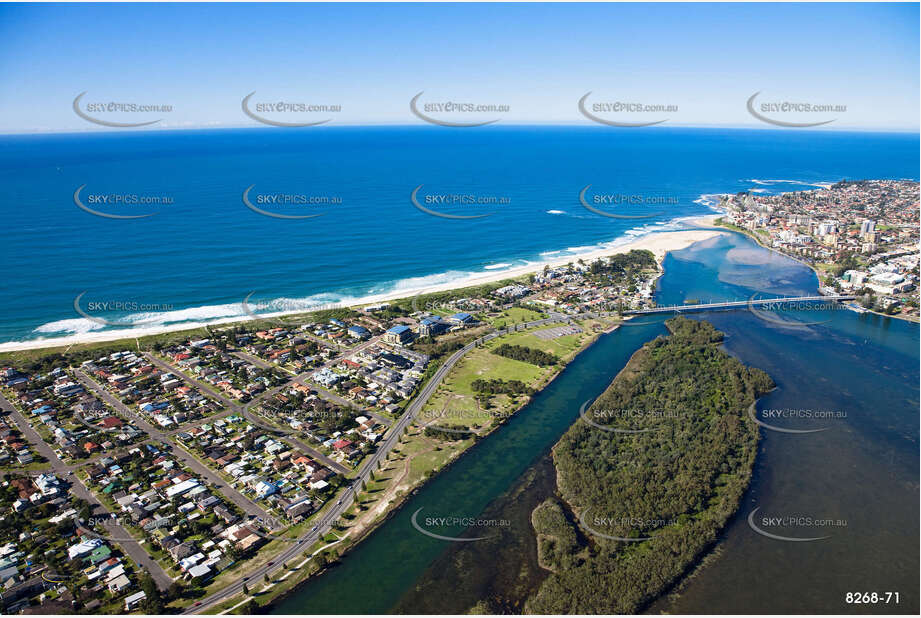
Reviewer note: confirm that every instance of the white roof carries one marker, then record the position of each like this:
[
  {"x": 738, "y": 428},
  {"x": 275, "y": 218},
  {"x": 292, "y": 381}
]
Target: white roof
[
  {"x": 181, "y": 488},
  {"x": 137, "y": 596}
]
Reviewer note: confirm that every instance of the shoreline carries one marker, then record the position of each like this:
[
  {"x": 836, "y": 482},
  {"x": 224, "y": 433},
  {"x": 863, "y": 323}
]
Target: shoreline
[
  {"x": 399, "y": 503},
  {"x": 659, "y": 243},
  {"x": 818, "y": 275},
  {"x": 708, "y": 552}
]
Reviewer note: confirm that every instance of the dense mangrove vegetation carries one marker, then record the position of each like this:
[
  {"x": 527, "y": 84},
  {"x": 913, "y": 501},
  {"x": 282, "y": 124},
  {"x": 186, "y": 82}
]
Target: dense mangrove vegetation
[{"x": 647, "y": 500}]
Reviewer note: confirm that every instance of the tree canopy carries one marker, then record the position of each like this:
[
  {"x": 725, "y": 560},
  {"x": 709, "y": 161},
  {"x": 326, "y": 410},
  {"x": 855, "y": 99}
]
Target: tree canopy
[{"x": 674, "y": 481}]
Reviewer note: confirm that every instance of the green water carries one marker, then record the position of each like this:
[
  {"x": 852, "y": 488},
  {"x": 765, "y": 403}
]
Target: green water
[
  {"x": 862, "y": 470},
  {"x": 372, "y": 578}
]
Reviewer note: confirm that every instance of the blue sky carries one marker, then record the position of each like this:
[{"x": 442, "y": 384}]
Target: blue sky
[{"x": 538, "y": 59}]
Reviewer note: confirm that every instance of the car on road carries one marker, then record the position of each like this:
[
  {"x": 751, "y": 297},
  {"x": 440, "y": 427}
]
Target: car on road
[{"x": 314, "y": 529}]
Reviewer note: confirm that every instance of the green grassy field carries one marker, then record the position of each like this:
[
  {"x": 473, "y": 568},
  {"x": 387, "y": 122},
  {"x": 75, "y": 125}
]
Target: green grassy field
[
  {"x": 454, "y": 404},
  {"x": 515, "y": 315}
]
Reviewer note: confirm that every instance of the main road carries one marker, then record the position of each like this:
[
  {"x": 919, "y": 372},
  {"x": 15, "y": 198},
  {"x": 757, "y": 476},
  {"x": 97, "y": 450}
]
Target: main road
[{"x": 390, "y": 440}]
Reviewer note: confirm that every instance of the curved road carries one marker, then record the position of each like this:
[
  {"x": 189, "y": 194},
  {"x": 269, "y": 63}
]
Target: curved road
[{"x": 393, "y": 435}]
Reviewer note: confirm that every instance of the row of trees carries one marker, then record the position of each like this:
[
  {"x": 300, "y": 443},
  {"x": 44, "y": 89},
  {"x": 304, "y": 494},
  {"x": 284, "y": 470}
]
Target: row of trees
[
  {"x": 494, "y": 386},
  {"x": 526, "y": 354}
]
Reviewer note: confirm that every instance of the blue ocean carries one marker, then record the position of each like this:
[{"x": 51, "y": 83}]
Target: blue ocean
[{"x": 202, "y": 250}]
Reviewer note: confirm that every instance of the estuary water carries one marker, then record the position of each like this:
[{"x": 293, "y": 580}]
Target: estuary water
[{"x": 854, "y": 377}]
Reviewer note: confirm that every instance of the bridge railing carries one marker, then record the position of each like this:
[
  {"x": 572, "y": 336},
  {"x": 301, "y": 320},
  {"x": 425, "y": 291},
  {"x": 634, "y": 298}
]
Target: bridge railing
[{"x": 740, "y": 303}]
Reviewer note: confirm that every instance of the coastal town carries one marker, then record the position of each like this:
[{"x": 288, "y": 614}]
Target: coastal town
[
  {"x": 213, "y": 469},
  {"x": 860, "y": 236},
  {"x": 153, "y": 477}
]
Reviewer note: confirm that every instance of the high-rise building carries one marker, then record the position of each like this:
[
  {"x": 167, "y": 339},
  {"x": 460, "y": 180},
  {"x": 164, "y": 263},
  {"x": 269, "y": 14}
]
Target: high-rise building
[{"x": 827, "y": 228}]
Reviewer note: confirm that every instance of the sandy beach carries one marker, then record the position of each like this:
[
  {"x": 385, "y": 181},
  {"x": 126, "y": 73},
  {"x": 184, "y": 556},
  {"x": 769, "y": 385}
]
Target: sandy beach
[{"x": 659, "y": 243}]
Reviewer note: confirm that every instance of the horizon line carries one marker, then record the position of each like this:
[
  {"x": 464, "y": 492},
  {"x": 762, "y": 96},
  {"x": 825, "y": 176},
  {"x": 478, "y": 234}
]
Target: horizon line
[{"x": 551, "y": 124}]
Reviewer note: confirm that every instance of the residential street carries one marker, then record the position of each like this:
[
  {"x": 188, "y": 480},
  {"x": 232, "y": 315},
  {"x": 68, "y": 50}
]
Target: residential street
[
  {"x": 248, "y": 506},
  {"x": 390, "y": 440},
  {"x": 63, "y": 471}
]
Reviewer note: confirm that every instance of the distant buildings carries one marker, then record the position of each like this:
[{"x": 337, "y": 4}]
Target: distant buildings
[{"x": 868, "y": 226}]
